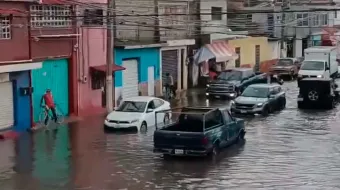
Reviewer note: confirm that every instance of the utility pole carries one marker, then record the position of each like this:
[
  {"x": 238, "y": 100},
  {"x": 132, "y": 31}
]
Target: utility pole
[
  {"x": 109, "y": 56},
  {"x": 284, "y": 7}
]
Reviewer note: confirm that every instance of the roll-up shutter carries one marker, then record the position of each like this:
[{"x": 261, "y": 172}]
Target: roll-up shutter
[
  {"x": 170, "y": 64},
  {"x": 130, "y": 78},
  {"x": 6, "y": 105}
]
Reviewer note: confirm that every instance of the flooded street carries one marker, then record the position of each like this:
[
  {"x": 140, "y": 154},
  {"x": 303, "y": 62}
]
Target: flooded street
[{"x": 291, "y": 149}]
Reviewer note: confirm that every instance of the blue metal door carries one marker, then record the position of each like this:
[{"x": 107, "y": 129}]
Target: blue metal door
[{"x": 53, "y": 75}]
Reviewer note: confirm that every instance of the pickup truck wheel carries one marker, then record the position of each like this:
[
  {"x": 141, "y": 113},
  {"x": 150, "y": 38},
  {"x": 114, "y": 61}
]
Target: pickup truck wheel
[
  {"x": 241, "y": 135},
  {"x": 283, "y": 104},
  {"x": 143, "y": 127},
  {"x": 214, "y": 152}
]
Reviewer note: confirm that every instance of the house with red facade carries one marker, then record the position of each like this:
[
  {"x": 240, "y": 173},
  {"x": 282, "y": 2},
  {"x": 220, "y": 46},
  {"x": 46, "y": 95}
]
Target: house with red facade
[{"x": 37, "y": 45}]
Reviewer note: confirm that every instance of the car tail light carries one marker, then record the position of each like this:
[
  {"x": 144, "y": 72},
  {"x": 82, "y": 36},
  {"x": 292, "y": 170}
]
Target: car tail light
[{"x": 205, "y": 141}]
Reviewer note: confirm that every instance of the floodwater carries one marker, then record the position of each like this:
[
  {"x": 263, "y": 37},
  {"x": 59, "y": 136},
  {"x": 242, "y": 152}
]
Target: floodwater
[{"x": 291, "y": 149}]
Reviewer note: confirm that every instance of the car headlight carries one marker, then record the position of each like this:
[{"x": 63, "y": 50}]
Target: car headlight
[
  {"x": 259, "y": 104},
  {"x": 232, "y": 103},
  {"x": 319, "y": 76},
  {"x": 208, "y": 85},
  {"x": 134, "y": 121},
  {"x": 299, "y": 75}
]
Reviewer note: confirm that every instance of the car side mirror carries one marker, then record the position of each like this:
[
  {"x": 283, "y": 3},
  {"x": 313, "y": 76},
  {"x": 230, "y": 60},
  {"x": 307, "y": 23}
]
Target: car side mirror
[
  {"x": 327, "y": 68},
  {"x": 149, "y": 110}
]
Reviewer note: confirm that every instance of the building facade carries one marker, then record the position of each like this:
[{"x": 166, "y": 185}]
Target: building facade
[
  {"x": 251, "y": 50},
  {"x": 15, "y": 65},
  {"x": 52, "y": 41},
  {"x": 142, "y": 72}
]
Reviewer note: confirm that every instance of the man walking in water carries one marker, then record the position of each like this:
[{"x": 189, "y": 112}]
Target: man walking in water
[{"x": 49, "y": 105}]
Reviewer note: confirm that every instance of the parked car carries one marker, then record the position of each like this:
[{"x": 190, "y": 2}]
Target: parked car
[
  {"x": 286, "y": 67},
  {"x": 199, "y": 132},
  {"x": 317, "y": 93},
  {"x": 138, "y": 113},
  {"x": 299, "y": 62},
  {"x": 259, "y": 99},
  {"x": 230, "y": 83}
]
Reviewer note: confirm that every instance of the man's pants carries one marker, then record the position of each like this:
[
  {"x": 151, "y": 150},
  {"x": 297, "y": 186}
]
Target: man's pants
[
  {"x": 54, "y": 114},
  {"x": 171, "y": 88}
]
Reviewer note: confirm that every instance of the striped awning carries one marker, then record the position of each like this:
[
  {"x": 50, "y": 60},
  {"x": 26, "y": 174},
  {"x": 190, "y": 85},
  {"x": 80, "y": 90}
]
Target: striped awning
[{"x": 221, "y": 51}]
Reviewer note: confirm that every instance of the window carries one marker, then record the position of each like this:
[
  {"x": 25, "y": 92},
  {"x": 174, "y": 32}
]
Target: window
[
  {"x": 216, "y": 13},
  {"x": 158, "y": 103},
  {"x": 257, "y": 57},
  {"x": 50, "y": 16},
  {"x": 151, "y": 105},
  {"x": 93, "y": 17},
  {"x": 97, "y": 80},
  {"x": 227, "y": 116},
  {"x": 5, "y": 27},
  {"x": 315, "y": 20},
  {"x": 238, "y": 60},
  {"x": 324, "y": 19},
  {"x": 302, "y": 19}
]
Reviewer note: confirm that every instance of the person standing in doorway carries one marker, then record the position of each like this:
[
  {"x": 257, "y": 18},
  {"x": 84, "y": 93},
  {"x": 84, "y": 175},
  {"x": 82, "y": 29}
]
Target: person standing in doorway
[
  {"x": 169, "y": 84},
  {"x": 49, "y": 106}
]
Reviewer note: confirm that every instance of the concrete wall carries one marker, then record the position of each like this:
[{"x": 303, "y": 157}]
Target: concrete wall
[
  {"x": 247, "y": 46},
  {"x": 16, "y": 48},
  {"x": 92, "y": 52},
  {"x": 208, "y": 25},
  {"x": 135, "y": 28}
]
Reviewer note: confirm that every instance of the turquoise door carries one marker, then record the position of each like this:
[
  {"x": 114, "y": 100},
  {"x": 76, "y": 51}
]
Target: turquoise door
[{"x": 53, "y": 75}]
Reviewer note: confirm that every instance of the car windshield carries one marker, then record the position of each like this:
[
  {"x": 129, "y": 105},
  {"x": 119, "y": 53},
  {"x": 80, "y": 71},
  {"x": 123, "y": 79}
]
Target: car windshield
[
  {"x": 284, "y": 62},
  {"x": 256, "y": 92},
  {"x": 130, "y": 106},
  {"x": 313, "y": 65},
  {"x": 230, "y": 76}
]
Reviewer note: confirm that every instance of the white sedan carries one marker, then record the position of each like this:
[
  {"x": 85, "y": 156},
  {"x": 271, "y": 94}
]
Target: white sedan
[{"x": 138, "y": 112}]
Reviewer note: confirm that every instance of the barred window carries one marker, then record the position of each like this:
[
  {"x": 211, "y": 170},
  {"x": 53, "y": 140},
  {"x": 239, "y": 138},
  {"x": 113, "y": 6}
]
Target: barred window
[
  {"x": 5, "y": 27},
  {"x": 50, "y": 16}
]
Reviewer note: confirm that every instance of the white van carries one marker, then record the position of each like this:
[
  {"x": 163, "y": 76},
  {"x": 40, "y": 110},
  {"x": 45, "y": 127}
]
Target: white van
[{"x": 320, "y": 61}]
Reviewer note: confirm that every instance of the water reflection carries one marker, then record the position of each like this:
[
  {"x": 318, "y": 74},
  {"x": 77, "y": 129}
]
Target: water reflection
[{"x": 290, "y": 149}]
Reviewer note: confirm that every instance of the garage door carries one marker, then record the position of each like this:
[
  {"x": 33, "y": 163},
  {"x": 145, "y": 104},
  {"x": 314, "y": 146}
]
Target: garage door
[
  {"x": 52, "y": 75},
  {"x": 6, "y": 105},
  {"x": 130, "y": 78}
]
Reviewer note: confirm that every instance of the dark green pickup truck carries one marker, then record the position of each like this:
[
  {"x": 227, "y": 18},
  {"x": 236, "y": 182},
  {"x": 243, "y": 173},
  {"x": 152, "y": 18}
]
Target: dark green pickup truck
[{"x": 199, "y": 132}]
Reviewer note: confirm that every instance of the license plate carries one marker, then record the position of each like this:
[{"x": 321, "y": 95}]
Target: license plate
[
  {"x": 300, "y": 99},
  {"x": 178, "y": 151},
  {"x": 217, "y": 96},
  {"x": 243, "y": 111},
  {"x": 275, "y": 76}
]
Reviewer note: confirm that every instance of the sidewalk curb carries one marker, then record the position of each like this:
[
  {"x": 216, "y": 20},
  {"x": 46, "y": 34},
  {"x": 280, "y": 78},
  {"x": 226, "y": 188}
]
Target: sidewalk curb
[{"x": 68, "y": 120}]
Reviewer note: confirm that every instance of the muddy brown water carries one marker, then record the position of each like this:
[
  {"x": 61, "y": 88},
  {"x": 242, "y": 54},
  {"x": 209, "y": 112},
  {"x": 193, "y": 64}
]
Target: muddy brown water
[{"x": 291, "y": 149}]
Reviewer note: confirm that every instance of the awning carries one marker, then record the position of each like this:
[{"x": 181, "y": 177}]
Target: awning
[
  {"x": 221, "y": 51},
  {"x": 20, "y": 67},
  {"x": 102, "y": 68}
]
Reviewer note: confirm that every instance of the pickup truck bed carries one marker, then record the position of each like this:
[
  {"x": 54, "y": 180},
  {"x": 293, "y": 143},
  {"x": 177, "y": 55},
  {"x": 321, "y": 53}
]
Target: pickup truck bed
[{"x": 197, "y": 134}]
